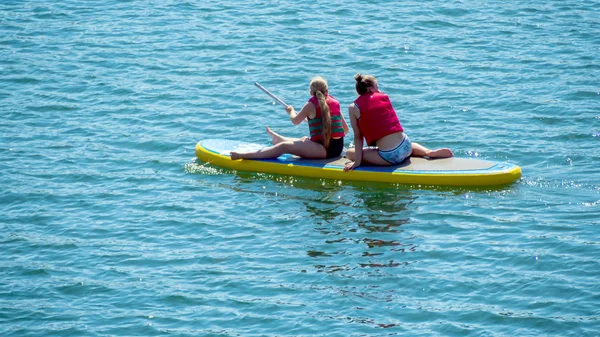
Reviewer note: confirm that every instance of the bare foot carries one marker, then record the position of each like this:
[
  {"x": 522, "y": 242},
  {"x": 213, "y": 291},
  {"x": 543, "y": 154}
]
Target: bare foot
[
  {"x": 440, "y": 153},
  {"x": 235, "y": 155},
  {"x": 275, "y": 138}
]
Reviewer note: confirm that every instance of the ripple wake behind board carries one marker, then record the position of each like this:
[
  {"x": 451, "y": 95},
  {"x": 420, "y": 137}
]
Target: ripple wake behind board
[{"x": 442, "y": 172}]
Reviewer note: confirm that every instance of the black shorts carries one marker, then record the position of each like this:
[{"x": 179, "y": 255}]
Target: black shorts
[{"x": 336, "y": 146}]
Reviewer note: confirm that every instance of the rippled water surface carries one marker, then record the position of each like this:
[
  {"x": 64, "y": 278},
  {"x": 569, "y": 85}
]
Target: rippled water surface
[{"x": 109, "y": 226}]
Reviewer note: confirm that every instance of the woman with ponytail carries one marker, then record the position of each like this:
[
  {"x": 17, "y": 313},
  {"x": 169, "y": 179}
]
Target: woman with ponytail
[
  {"x": 326, "y": 124},
  {"x": 374, "y": 119}
]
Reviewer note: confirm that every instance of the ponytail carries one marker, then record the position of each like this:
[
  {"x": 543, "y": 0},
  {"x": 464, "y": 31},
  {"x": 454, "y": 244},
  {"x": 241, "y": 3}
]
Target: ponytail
[
  {"x": 325, "y": 118},
  {"x": 318, "y": 87}
]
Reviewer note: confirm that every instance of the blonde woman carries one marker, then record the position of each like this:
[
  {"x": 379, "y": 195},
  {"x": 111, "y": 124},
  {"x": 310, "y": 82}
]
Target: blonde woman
[{"x": 326, "y": 124}]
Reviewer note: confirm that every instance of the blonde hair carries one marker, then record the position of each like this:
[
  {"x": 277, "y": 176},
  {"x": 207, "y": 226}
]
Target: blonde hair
[{"x": 318, "y": 87}]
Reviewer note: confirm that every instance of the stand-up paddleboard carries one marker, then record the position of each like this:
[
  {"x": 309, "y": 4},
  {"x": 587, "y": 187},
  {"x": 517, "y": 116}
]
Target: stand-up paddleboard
[{"x": 443, "y": 172}]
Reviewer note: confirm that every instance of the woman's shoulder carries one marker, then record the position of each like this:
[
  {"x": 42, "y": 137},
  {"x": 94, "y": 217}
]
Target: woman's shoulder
[
  {"x": 332, "y": 98},
  {"x": 381, "y": 96}
]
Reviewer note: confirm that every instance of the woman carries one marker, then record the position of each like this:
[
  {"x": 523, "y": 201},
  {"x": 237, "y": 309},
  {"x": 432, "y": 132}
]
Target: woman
[
  {"x": 373, "y": 118},
  {"x": 326, "y": 123}
]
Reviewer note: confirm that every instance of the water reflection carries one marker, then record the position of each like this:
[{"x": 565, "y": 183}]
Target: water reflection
[
  {"x": 363, "y": 231},
  {"x": 373, "y": 297},
  {"x": 362, "y": 224}
]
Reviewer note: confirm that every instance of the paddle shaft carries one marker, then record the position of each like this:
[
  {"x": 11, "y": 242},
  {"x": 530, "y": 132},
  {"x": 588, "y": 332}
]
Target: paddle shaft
[{"x": 270, "y": 94}]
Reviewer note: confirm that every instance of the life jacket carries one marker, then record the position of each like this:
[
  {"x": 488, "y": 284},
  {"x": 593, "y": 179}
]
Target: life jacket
[
  {"x": 315, "y": 125},
  {"x": 377, "y": 116}
]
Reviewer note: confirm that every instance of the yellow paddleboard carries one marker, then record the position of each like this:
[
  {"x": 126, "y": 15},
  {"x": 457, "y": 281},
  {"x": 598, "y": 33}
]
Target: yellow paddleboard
[{"x": 414, "y": 170}]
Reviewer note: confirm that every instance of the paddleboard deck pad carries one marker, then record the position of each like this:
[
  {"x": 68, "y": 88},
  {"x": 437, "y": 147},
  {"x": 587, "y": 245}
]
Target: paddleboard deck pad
[{"x": 414, "y": 170}]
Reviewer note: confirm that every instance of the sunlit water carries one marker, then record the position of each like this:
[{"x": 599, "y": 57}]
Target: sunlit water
[{"x": 109, "y": 226}]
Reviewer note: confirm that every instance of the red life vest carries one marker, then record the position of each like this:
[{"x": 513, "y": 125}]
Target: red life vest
[
  {"x": 377, "y": 116},
  {"x": 315, "y": 125}
]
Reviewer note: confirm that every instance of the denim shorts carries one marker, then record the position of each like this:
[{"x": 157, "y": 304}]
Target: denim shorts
[{"x": 396, "y": 155}]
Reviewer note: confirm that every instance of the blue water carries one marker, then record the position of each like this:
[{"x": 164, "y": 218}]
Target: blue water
[{"x": 109, "y": 226}]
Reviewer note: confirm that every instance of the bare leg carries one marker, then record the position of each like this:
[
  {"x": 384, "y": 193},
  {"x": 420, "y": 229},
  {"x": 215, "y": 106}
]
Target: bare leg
[
  {"x": 303, "y": 148},
  {"x": 369, "y": 156},
  {"x": 276, "y": 138},
  {"x": 350, "y": 154},
  {"x": 419, "y": 150}
]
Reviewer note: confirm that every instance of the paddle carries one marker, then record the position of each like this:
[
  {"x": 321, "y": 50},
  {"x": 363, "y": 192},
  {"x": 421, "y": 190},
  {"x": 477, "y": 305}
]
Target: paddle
[{"x": 270, "y": 94}]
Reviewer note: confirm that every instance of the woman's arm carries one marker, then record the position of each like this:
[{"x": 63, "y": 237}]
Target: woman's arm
[
  {"x": 344, "y": 125},
  {"x": 358, "y": 139},
  {"x": 308, "y": 111}
]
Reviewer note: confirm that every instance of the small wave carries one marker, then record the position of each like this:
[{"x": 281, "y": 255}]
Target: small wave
[{"x": 196, "y": 167}]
